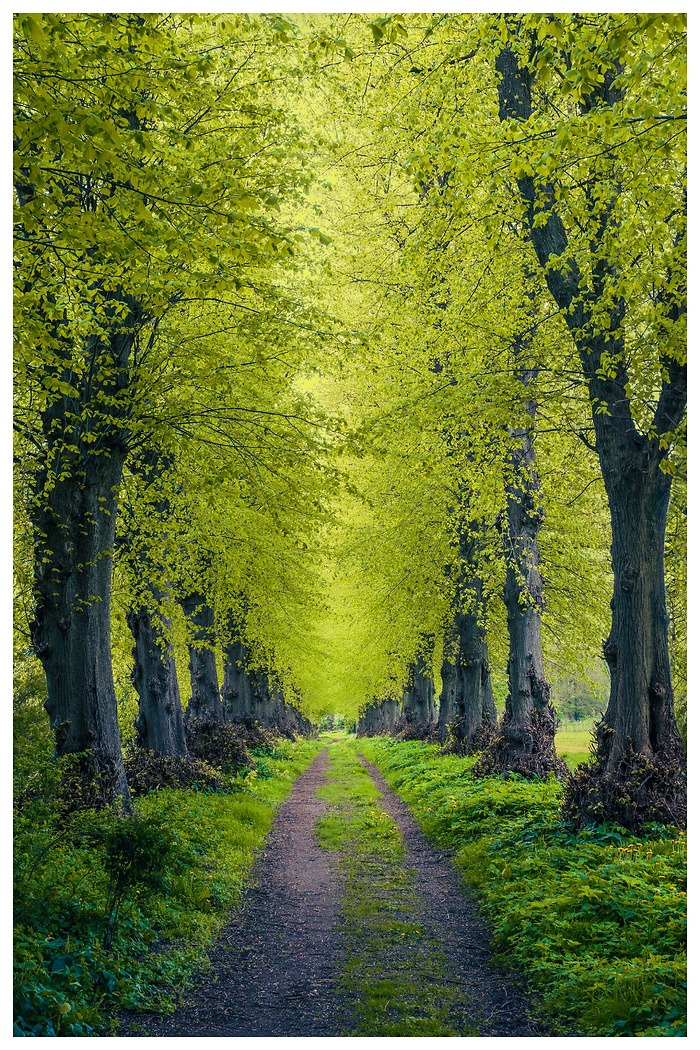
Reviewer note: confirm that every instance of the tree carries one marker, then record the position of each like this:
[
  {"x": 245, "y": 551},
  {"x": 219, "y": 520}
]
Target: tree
[{"x": 637, "y": 385}]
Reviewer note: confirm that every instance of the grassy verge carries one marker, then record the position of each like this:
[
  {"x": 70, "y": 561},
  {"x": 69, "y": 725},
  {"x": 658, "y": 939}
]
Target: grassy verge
[
  {"x": 596, "y": 920},
  {"x": 392, "y": 972},
  {"x": 75, "y": 968}
]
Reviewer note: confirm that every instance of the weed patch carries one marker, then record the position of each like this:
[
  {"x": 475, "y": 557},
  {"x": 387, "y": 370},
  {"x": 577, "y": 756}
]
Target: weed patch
[{"x": 596, "y": 919}]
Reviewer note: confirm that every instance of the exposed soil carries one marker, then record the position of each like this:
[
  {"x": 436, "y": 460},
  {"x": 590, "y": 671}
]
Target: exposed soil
[
  {"x": 451, "y": 918},
  {"x": 276, "y": 968}
]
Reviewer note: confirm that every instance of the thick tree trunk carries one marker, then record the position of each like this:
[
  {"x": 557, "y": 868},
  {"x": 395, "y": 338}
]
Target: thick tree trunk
[
  {"x": 638, "y": 770},
  {"x": 390, "y": 714},
  {"x": 237, "y": 689},
  {"x": 418, "y": 711},
  {"x": 160, "y": 724},
  {"x": 467, "y": 715},
  {"x": 205, "y": 702},
  {"x": 379, "y": 718},
  {"x": 75, "y": 526},
  {"x": 449, "y": 672}
]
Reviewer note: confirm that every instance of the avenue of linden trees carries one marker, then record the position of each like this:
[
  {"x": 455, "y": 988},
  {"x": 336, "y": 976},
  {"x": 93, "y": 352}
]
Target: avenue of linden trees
[{"x": 350, "y": 525}]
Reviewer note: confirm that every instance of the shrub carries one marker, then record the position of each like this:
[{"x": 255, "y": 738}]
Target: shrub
[
  {"x": 146, "y": 772},
  {"x": 224, "y": 745}
]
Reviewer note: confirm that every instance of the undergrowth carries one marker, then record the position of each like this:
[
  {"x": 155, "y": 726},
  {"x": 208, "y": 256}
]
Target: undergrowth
[
  {"x": 596, "y": 919},
  {"x": 114, "y": 914},
  {"x": 395, "y": 976}
]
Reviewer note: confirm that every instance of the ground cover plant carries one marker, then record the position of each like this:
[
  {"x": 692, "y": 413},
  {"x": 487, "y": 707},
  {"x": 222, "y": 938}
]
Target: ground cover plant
[
  {"x": 596, "y": 919},
  {"x": 114, "y": 914},
  {"x": 385, "y": 940}
]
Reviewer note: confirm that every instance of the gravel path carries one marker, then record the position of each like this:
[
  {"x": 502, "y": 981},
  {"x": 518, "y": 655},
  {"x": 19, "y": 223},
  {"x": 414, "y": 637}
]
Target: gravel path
[
  {"x": 275, "y": 967},
  {"x": 452, "y": 918}
]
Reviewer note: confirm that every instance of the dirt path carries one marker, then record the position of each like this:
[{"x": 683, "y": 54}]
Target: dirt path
[
  {"x": 452, "y": 919},
  {"x": 275, "y": 967}
]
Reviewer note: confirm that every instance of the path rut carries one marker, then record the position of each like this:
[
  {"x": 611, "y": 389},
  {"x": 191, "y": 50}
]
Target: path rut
[{"x": 451, "y": 917}]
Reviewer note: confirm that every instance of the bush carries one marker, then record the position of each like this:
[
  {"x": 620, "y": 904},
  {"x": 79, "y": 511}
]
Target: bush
[
  {"x": 224, "y": 745},
  {"x": 146, "y": 772}
]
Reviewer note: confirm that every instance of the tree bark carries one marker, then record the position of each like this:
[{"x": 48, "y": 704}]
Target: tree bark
[
  {"x": 467, "y": 715},
  {"x": 74, "y": 528},
  {"x": 160, "y": 724},
  {"x": 205, "y": 702},
  {"x": 237, "y": 689},
  {"x": 418, "y": 703},
  {"x": 638, "y": 771},
  {"x": 379, "y": 718}
]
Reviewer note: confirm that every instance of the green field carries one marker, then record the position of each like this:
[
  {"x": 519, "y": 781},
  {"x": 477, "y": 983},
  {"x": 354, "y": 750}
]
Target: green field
[{"x": 572, "y": 744}]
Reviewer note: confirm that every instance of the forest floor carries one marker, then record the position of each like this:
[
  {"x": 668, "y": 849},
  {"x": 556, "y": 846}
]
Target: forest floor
[{"x": 354, "y": 924}]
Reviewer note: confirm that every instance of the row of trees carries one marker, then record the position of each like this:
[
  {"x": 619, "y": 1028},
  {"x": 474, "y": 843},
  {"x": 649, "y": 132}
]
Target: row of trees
[
  {"x": 363, "y": 461},
  {"x": 159, "y": 338},
  {"x": 529, "y": 195}
]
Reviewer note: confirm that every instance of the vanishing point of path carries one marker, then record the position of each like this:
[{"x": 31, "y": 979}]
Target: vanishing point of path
[{"x": 277, "y": 967}]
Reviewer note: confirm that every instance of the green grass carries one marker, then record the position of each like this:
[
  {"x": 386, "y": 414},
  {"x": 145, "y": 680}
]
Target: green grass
[
  {"x": 388, "y": 952},
  {"x": 66, "y": 981},
  {"x": 573, "y": 745},
  {"x": 596, "y": 920}
]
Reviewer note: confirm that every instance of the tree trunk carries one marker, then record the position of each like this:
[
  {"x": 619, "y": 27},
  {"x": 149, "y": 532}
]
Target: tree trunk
[
  {"x": 390, "y": 715},
  {"x": 637, "y": 774},
  {"x": 160, "y": 725},
  {"x": 525, "y": 740},
  {"x": 467, "y": 717},
  {"x": 418, "y": 703},
  {"x": 379, "y": 718},
  {"x": 74, "y": 527},
  {"x": 205, "y": 702},
  {"x": 237, "y": 690}
]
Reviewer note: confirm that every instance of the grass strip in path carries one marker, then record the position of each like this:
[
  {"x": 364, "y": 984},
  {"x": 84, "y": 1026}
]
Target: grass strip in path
[{"x": 397, "y": 972}]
